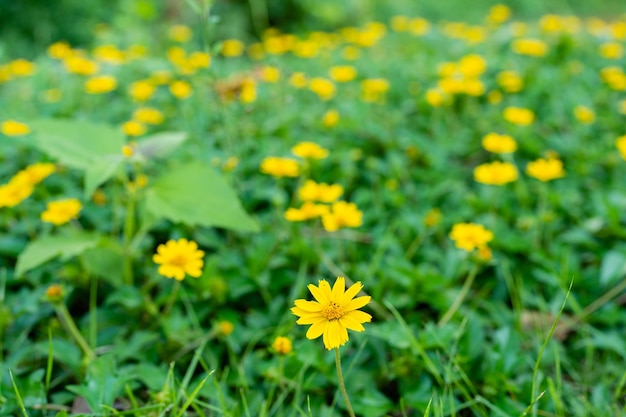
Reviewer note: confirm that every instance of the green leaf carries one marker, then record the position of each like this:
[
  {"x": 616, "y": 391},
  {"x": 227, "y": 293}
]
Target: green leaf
[
  {"x": 195, "y": 194},
  {"x": 44, "y": 249},
  {"x": 161, "y": 144},
  {"x": 613, "y": 267},
  {"x": 99, "y": 172},
  {"x": 105, "y": 261}
]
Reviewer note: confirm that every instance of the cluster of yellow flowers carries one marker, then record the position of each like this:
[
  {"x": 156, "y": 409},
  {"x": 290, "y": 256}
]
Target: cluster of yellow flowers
[
  {"x": 471, "y": 236},
  {"x": 22, "y": 184},
  {"x": 462, "y": 77}
]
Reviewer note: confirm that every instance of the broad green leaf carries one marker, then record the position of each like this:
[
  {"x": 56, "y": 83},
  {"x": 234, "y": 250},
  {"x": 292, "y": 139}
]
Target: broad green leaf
[
  {"x": 613, "y": 267},
  {"x": 105, "y": 261},
  {"x": 195, "y": 194},
  {"x": 46, "y": 248},
  {"x": 77, "y": 144},
  {"x": 99, "y": 172},
  {"x": 161, "y": 144}
]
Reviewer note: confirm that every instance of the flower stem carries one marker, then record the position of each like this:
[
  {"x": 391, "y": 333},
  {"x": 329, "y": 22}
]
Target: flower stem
[
  {"x": 129, "y": 231},
  {"x": 68, "y": 321},
  {"x": 342, "y": 386},
  {"x": 459, "y": 299}
]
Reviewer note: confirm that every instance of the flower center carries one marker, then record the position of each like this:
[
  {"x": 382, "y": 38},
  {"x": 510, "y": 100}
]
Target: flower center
[
  {"x": 178, "y": 260},
  {"x": 332, "y": 311}
]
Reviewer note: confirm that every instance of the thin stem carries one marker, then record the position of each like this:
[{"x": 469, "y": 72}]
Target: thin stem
[
  {"x": 68, "y": 321},
  {"x": 93, "y": 311},
  {"x": 129, "y": 230},
  {"x": 172, "y": 299},
  {"x": 459, "y": 299},
  {"x": 342, "y": 385}
]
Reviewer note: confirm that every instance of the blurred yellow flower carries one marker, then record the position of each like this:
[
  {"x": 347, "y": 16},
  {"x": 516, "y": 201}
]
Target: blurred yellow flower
[
  {"x": 34, "y": 174},
  {"x": 59, "y": 50},
  {"x": 531, "y": 47},
  {"x": 495, "y": 173},
  {"x": 433, "y": 217},
  {"x": 55, "y": 293},
  {"x": 180, "y": 33},
  {"x": 13, "y": 193},
  {"x": 400, "y": 23},
  {"x": 100, "y": 85},
  {"x": 270, "y": 74},
  {"x": 435, "y": 97},
  {"x": 309, "y": 210},
  {"x": 498, "y": 14},
  {"x": 280, "y": 167},
  {"x": 343, "y": 214},
  {"x": 14, "y": 128},
  {"x": 611, "y": 50},
  {"x": 545, "y": 169},
  {"x": 419, "y": 26},
  {"x": 248, "y": 91},
  {"x": 333, "y": 312},
  {"x": 330, "y": 118},
  {"x": 518, "y": 116},
  {"x": 232, "y": 48},
  {"x": 128, "y": 151},
  {"x": 133, "y": 128},
  {"x": 620, "y": 143},
  {"x": 312, "y": 191},
  {"x": 181, "y": 89},
  {"x": 142, "y": 90},
  {"x": 225, "y": 327},
  {"x": 484, "y": 253},
  {"x": 374, "y": 89},
  {"x": 282, "y": 345},
  {"x": 148, "y": 115},
  {"x": 351, "y": 53},
  {"x": 61, "y": 211},
  {"x": 342, "y": 73},
  {"x": 584, "y": 114},
  {"x": 309, "y": 150},
  {"x": 325, "y": 89},
  {"x": 230, "y": 164},
  {"x": 494, "y": 97},
  {"x": 256, "y": 51},
  {"x": 80, "y": 65},
  {"x": 298, "y": 80},
  {"x": 21, "y": 67},
  {"x": 178, "y": 258},
  {"x": 510, "y": 81},
  {"x": 199, "y": 60},
  {"x": 472, "y": 65},
  {"x": 493, "y": 142},
  {"x": 469, "y": 236},
  {"x": 109, "y": 53}
]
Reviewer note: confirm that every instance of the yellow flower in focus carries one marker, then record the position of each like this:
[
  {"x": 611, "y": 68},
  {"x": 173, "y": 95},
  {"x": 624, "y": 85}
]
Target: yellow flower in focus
[
  {"x": 309, "y": 150},
  {"x": 531, "y": 47},
  {"x": 545, "y": 169},
  {"x": 342, "y": 215},
  {"x": 298, "y": 80},
  {"x": 232, "y": 48},
  {"x": 611, "y": 50},
  {"x": 330, "y": 118},
  {"x": 21, "y": 68},
  {"x": 80, "y": 65},
  {"x": 498, "y": 14},
  {"x": 518, "y": 116},
  {"x": 13, "y": 193},
  {"x": 34, "y": 174},
  {"x": 180, "y": 33},
  {"x": 280, "y": 167},
  {"x": 181, "y": 89},
  {"x": 14, "y": 128},
  {"x": 374, "y": 89},
  {"x": 312, "y": 191},
  {"x": 333, "y": 313},
  {"x": 308, "y": 211},
  {"x": 142, "y": 90},
  {"x": 133, "y": 128},
  {"x": 270, "y": 74},
  {"x": 342, "y": 73},
  {"x": 282, "y": 345},
  {"x": 495, "y": 173},
  {"x": 61, "y": 211},
  {"x": 584, "y": 114},
  {"x": 620, "y": 143},
  {"x": 469, "y": 236},
  {"x": 100, "y": 85},
  {"x": 325, "y": 89},
  {"x": 148, "y": 115},
  {"x": 510, "y": 81},
  {"x": 178, "y": 258},
  {"x": 495, "y": 143}
]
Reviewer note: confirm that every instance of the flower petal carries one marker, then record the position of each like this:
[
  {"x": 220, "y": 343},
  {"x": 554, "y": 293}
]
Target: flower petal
[
  {"x": 311, "y": 318},
  {"x": 322, "y": 292},
  {"x": 351, "y": 293},
  {"x": 351, "y": 323},
  {"x": 358, "y": 316},
  {"x": 316, "y": 330},
  {"x": 338, "y": 289},
  {"x": 308, "y": 305},
  {"x": 357, "y": 303}
]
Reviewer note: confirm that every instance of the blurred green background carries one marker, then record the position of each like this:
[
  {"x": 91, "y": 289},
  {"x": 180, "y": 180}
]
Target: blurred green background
[{"x": 28, "y": 26}]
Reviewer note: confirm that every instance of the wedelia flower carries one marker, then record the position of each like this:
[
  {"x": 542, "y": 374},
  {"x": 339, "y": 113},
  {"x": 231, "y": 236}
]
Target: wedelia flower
[
  {"x": 469, "y": 236},
  {"x": 178, "y": 258},
  {"x": 545, "y": 169},
  {"x": 495, "y": 173},
  {"x": 61, "y": 211}
]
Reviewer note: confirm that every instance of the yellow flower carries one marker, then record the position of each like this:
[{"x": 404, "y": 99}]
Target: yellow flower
[
  {"x": 545, "y": 169},
  {"x": 419, "y": 26},
  {"x": 80, "y": 65},
  {"x": 181, "y": 89},
  {"x": 13, "y": 193},
  {"x": 180, "y": 33},
  {"x": 55, "y": 293},
  {"x": 435, "y": 97},
  {"x": 148, "y": 115},
  {"x": 248, "y": 91},
  {"x": 351, "y": 53},
  {"x": 270, "y": 74},
  {"x": 499, "y": 13},
  {"x": 510, "y": 81},
  {"x": 34, "y": 174},
  {"x": 484, "y": 253},
  {"x": 493, "y": 142},
  {"x": 330, "y": 118},
  {"x": 433, "y": 217},
  {"x": 128, "y": 151},
  {"x": 494, "y": 97},
  {"x": 374, "y": 89},
  {"x": 142, "y": 90},
  {"x": 232, "y": 48},
  {"x": 400, "y": 23},
  {"x": 343, "y": 215},
  {"x": 620, "y": 143},
  {"x": 199, "y": 60},
  {"x": 178, "y": 258},
  {"x": 312, "y": 191},
  {"x": 343, "y": 73},
  {"x": 531, "y": 47},
  {"x": 282, "y": 345},
  {"x": 61, "y": 211},
  {"x": 225, "y": 327},
  {"x": 109, "y": 53},
  {"x": 611, "y": 50},
  {"x": 584, "y": 114},
  {"x": 230, "y": 164},
  {"x": 298, "y": 80},
  {"x": 280, "y": 167},
  {"x": 21, "y": 67},
  {"x": 325, "y": 89},
  {"x": 469, "y": 236},
  {"x": 14, "y": 128},
  {"x": 100, "y": 85},
  {"x": 495, "y": 173},
  {"x": 333, "y": 312},
  {"x": 309, "y": 150},
  {"x": 133, "y": 128},
  {"x": 472, "y": 65},
  {"x": 518, "y": 116},
  {"x": 308, "y": 211},
  {"x": 59, "y": 50}
]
